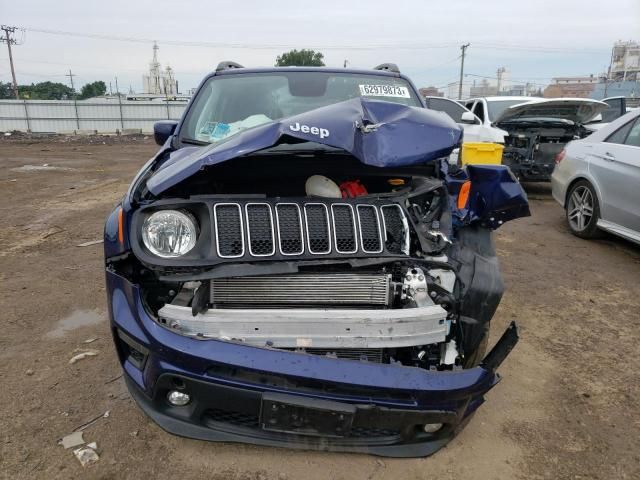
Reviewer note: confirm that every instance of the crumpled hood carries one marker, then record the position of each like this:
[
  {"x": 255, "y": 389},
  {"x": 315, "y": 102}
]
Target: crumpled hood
[
  {"x": 576, "y": 110},
  {"x": 378, "y": 133}
]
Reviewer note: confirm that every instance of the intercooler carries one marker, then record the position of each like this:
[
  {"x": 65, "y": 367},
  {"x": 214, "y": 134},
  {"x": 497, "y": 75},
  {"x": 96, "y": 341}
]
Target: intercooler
[
  {"x": 331, "y": 311},
  {"x": 302, "y": 291}
]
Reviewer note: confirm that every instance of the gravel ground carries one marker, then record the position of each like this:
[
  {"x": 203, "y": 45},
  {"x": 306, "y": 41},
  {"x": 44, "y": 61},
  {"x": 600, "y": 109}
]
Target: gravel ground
[{"x": 567, "y": 407}]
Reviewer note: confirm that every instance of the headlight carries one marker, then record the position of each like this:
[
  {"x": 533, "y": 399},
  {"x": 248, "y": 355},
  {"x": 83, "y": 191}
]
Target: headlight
[{"x": 169, "y": 233}]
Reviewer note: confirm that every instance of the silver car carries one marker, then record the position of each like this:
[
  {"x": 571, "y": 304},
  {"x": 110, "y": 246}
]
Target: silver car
[{"x": 597, "y": 180}]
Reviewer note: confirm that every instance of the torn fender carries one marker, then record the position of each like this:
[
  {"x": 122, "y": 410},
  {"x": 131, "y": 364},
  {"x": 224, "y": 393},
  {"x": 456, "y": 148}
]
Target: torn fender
[
  {"x": 495, "y": 196},
  {"x": 378, "y": 133}
]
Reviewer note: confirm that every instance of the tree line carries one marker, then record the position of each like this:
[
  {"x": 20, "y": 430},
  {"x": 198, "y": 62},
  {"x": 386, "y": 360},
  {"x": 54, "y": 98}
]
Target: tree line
[
  {"x": 60, "y": 91},
  {"x": 52, "y": 91}
]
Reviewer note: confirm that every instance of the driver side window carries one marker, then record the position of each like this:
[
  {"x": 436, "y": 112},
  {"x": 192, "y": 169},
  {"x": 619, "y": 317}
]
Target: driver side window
[
  {"x": 633, "y": 138},
  {"x": 619, "y": 135},
  {"x": 478, "y": 109}
]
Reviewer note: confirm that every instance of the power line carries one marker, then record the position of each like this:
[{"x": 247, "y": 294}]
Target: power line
[
  {"x": 262, "y": 46},
  {"x": 512, "y": 79},
  {"x": 535, "y": 48}
]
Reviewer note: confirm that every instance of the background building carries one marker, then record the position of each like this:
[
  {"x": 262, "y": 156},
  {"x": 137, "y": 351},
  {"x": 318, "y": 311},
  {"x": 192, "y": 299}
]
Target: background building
[
  {"x": 625, "y": 62},
  {"x": 452, "y": 90},
  {"x": 430, "y": 92},
  {"x": 483, "y": 88},
  {"x": 573, "y": 87},
  {"x": 158, "y": 81}
]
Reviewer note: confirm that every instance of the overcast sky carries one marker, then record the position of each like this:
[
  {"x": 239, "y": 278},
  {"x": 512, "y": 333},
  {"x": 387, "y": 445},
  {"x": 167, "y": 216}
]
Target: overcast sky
[{"x": 534, "y": 40}]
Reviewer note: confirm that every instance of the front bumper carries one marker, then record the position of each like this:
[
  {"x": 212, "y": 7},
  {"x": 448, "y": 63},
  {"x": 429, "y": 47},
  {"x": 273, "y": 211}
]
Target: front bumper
[{"x": 228, "y": 383}]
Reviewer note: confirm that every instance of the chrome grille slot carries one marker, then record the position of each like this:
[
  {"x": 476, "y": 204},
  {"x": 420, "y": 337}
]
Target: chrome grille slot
[
  {"x": 229, "y": 230},
  {"x": 303, "y": 290},
  {"x": 317, "y": 228},
  {"x": 289, "y": 222},
  {"x": 260, "y": 229},
  {"x": 395, "y": 228},
  {"x": 369, "y": 226},
  {"x": 344, "y": 228}
]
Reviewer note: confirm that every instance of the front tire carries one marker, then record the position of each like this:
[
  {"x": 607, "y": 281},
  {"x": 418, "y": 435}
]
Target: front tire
[{"x": 582, "y": 210}]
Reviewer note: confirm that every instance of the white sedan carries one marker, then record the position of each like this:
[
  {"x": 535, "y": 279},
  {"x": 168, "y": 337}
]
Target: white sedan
[{"x": 597, "y": 180}]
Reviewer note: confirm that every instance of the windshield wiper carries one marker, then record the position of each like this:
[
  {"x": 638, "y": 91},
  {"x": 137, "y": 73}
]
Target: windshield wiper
[{"x": 193, "y": 141}]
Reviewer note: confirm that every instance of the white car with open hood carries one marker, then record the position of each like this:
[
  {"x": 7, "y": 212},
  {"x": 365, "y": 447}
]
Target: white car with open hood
[{"x": 537, "y": 129}]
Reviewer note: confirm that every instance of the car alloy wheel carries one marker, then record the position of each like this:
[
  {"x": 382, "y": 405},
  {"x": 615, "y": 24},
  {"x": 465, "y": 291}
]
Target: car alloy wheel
[{"x": 580, "y": 208}]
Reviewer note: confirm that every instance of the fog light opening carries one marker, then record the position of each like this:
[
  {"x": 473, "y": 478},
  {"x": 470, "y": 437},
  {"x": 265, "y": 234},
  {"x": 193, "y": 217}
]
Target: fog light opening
[
  {"x": 178, "y": 383},
  {"x": 432, "y": 427},
  {"x": 178, "y": 399}
]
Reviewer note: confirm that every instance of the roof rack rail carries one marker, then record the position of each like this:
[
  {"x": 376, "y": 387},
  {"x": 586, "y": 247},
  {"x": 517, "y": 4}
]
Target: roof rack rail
[
  {"x": 227, "y": 65},
  {"x": 388, "y": 67}
]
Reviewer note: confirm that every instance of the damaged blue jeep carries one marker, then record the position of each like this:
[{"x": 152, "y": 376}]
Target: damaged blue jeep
[{"x": 299, "y": 265}]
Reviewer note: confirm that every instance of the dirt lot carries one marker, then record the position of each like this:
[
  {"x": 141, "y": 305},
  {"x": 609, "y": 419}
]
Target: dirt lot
[{"x": 567, "y": 408}]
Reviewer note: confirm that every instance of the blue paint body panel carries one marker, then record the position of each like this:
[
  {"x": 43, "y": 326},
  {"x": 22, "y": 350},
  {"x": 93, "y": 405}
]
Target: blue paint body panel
[{"x": 378, "y": 133}]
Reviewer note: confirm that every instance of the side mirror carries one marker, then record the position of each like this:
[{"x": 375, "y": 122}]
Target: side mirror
[
  {"x": 596, "y": 119},
  {"x": 468, "y": 117},
  {"x": 163, "y": 130}
]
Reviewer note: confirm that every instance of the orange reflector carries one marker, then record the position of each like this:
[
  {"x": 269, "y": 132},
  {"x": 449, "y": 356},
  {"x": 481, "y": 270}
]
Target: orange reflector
[
  {"x": 463, "y": 194},
  {"x": 396, "y": 181},
  {"x": 120, "y": 227}
]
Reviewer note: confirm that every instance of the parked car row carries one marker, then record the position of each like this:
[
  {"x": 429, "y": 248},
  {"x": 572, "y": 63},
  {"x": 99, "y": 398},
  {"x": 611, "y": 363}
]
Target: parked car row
[{"x": 588, "y": 149}]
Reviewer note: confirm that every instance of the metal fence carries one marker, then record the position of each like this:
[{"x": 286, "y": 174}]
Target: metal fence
[{"x": 66, "y": 116}]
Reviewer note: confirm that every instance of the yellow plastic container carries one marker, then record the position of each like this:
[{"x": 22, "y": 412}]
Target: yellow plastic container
[{"x": 481, "y": 153}]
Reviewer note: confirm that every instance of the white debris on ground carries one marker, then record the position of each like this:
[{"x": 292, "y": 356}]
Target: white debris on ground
[
  {"x": 87, "y": 244},
  {"x": 87, "y": 454},
  {"x": 83, "y": 355},
  {"x": 43, "y": 167},
  {"x": 72, "y": 440}
]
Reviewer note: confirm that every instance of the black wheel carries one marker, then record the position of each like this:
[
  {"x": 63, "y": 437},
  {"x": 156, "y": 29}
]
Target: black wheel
[{"x": 582, "y": 210}]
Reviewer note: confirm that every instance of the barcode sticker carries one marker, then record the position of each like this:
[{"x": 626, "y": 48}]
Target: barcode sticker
[{"x": 384, "y": 91}]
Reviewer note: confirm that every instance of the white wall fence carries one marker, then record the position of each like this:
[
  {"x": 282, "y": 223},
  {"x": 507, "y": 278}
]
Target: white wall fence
[{"x": 66, "y": 116}]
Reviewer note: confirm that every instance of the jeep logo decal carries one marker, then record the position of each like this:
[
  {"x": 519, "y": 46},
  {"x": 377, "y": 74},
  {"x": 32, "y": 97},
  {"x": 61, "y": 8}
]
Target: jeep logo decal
[{"x": 322, "y": 132}]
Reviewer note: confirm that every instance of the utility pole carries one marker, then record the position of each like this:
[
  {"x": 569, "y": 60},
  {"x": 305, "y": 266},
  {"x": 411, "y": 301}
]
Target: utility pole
[
  {"x": 71, "y": 75},
  {"x": 75, "y": 98},
  {"x": 119, "y": 104},
  {"x": 8, "y": 32},
  {"x": 464, "y": 49}
]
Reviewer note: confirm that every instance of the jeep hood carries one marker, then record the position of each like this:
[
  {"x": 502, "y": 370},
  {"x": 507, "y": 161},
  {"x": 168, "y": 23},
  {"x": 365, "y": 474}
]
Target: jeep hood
[
  {"x": 576, "y": 110},
  {"x": 377, "y": 133}
]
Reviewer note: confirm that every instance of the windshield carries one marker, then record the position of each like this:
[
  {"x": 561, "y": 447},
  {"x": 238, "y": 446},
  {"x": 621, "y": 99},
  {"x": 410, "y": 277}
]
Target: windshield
[
  {"x": 497, "y": 107},
  {"x": 229, "y": 104}
]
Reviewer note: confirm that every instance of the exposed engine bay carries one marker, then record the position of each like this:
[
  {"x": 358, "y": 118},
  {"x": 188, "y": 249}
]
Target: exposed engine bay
[
  {"x": 318, "y": 254},
  {"x": 531, "y": 146}
]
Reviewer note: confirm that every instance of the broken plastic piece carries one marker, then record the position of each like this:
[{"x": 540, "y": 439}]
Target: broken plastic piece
[
  {"x": 87, "y": 455},
  {"x": 352, "y": 189},
  {"x": 72, "y": 440},
  {"x": 88, "y": 244},
  {"x": 80, "y": 356}
]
